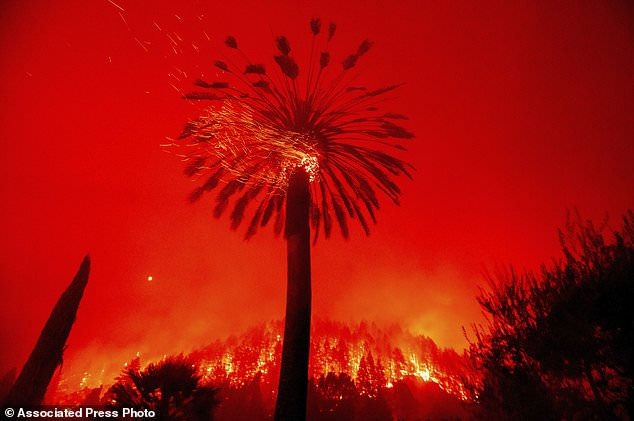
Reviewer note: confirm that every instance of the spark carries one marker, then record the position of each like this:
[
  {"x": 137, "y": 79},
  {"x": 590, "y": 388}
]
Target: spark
[
  {"x": 156, "y": 25},
  {"x": 116, "y": 5},
  {"x": 125, "y": 21},
  {"x": 176, "y": 88},
  {"x": 172, "y": 40},
  {"x": 242, "y": 141},
  {"x": 150, "y": 278},
  {"x": 141, "y": 44},
  {"x": 181, "y": 71}
]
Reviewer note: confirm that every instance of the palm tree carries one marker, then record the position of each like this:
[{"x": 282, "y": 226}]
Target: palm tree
[
  {"x": 304, "y": 152},
  {"x": 172, "y": 388}
]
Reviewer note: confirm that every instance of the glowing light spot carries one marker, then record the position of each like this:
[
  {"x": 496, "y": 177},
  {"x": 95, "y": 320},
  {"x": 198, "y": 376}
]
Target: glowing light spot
[
  {"x": 150, "y": 278},
  {"x": 424, "y": 374},
  {"x": 311, "y": 166},
  {"x": 84, "y": 380}
]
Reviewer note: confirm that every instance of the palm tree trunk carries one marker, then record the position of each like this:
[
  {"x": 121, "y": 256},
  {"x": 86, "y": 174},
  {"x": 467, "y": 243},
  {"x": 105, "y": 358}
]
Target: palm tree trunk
[
  {"x": 31, "y": 385},
  {"x": 291, "y": 395}
]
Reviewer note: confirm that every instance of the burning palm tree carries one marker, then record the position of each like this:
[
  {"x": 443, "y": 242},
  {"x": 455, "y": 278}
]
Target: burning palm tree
[{"x": 300, "y": 153}]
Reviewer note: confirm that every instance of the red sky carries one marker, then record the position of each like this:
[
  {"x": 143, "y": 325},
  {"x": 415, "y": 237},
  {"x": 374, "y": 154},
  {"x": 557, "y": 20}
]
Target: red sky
[{"x": 521, "y": 111}]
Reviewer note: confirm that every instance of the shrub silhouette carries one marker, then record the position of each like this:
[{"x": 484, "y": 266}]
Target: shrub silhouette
[
  {"x": 559, "y": 343},
  {"x": 172, "y": 388}
]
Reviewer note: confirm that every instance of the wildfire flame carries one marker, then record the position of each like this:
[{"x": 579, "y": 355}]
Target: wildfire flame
[{"x": 372, "y": 357}]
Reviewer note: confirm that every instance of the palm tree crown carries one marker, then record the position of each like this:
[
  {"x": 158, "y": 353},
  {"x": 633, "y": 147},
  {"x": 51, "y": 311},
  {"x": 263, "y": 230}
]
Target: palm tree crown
[
  {"x": 264, "y": 126},
  {"x": 173, "y": 387}
]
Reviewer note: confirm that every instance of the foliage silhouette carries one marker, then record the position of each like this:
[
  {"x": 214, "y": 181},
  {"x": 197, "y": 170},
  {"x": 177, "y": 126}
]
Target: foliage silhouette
[
  {"x": 172, "y": 388},
  {"x": 332, "y": 397},
  {"x": 6, "y": 381},
  {"x": 559, "y": 343},
  {"x": 304, "y": 153},
  {"x": 30, "y": 386},
  {"x": 245, "y": 402}
]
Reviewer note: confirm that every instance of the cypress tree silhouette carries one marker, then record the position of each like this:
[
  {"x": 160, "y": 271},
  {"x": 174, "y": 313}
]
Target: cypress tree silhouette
[{"x": 31, "y": 384}]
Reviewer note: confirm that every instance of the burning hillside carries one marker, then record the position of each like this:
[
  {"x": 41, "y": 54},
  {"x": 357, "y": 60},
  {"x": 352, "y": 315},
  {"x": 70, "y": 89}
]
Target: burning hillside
[
  {"x": 371, "y": 356},
  {"x": 362, "y": 361}
]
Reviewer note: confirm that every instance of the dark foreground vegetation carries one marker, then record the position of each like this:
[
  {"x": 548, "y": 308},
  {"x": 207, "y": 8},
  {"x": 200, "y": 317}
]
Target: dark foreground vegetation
[{"x": 558, "y": 344}]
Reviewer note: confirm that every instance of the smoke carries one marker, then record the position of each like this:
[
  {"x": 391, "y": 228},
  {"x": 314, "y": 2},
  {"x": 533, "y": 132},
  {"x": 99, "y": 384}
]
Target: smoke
[{"x": 435, "y": 301}]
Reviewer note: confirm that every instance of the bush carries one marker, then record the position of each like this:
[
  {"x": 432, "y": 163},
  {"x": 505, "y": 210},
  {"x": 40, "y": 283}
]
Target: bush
[{"x": 558, "y": 344}]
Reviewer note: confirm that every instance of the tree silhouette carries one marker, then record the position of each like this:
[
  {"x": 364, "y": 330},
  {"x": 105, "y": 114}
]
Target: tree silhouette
[
  {"x": 332, "y": 397},
  {"x": 304, "y": 152},
  {"x": 172, "y": 388},
  {"x": 244, "y": 402},
  {"x": 30, "y": 386},
  {"x": 559, "y": 344},
  {"x": 370, "y": 376},
  {"x": 6, "y": 381}
]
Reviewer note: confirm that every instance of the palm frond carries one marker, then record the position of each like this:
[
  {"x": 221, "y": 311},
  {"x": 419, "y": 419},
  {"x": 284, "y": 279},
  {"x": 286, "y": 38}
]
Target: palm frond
[{"x": 263, "y": 126}]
